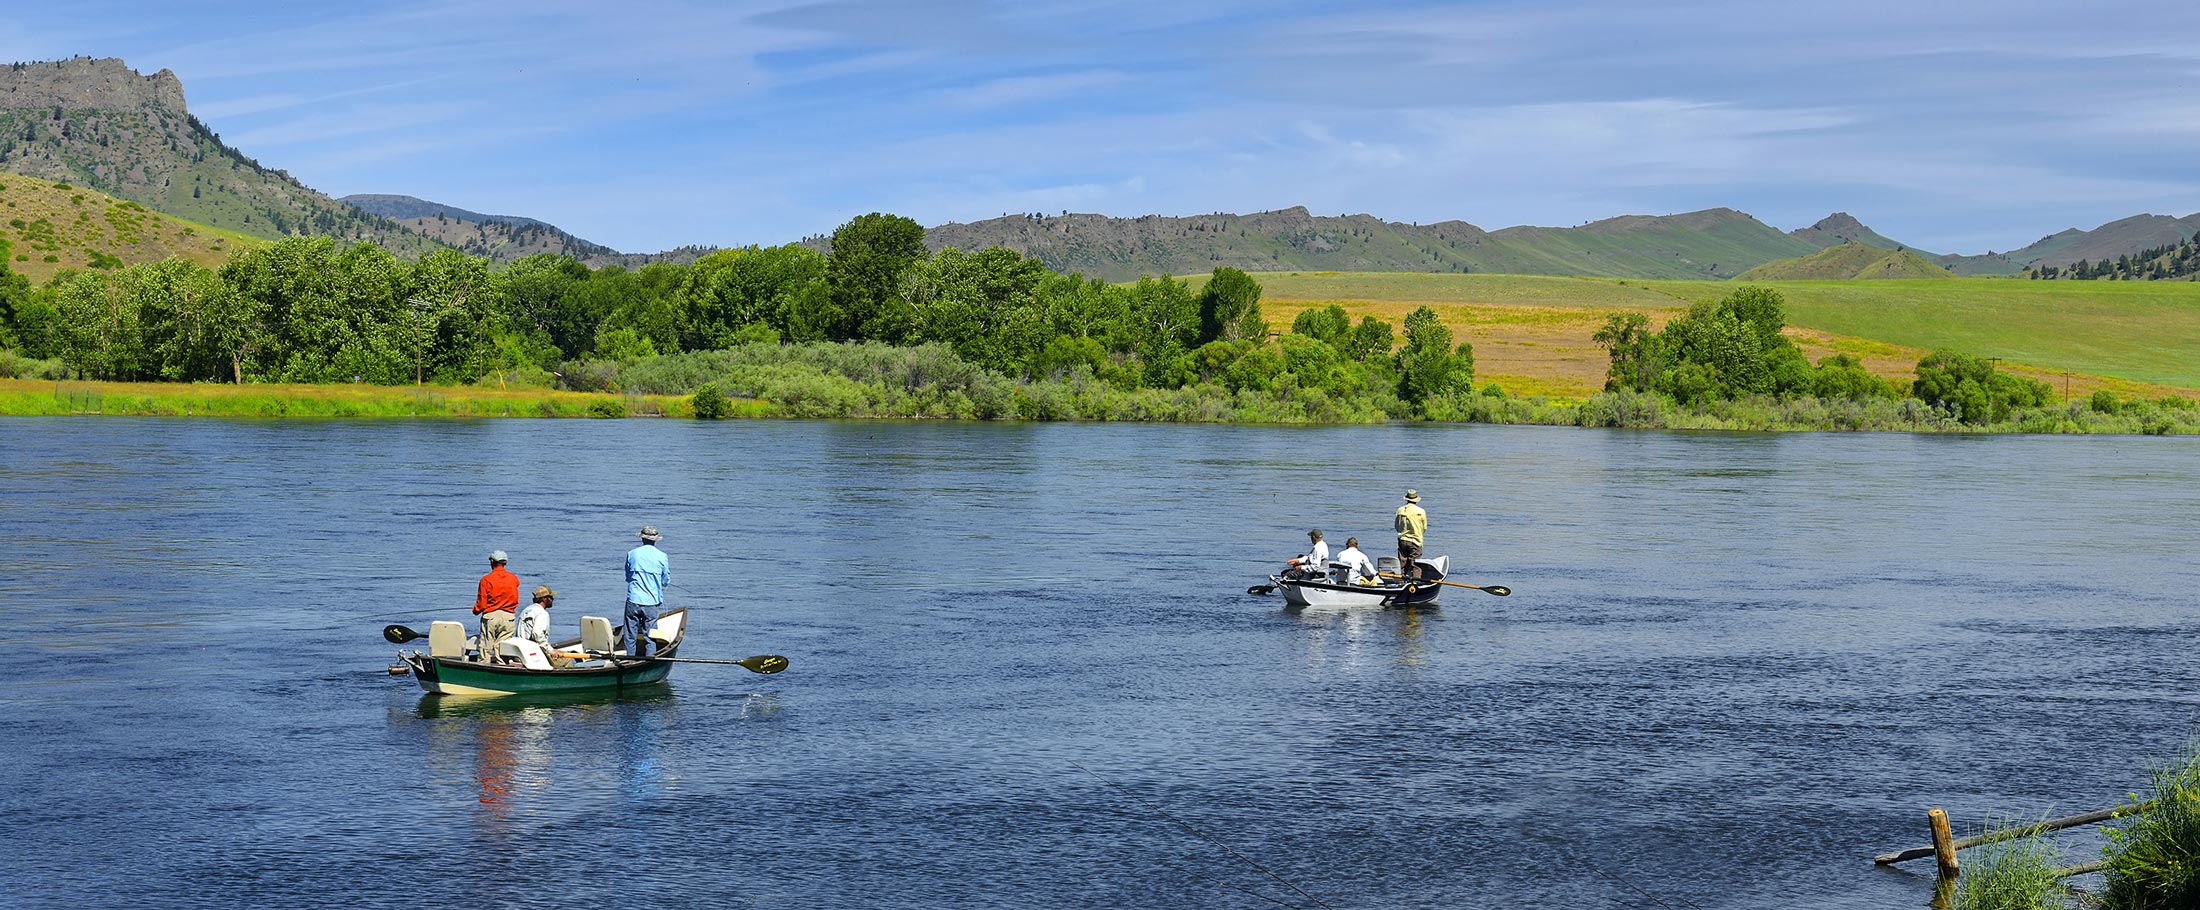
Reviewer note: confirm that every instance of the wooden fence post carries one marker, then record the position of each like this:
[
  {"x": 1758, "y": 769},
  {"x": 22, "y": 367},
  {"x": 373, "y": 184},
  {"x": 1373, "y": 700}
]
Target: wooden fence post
[{"x": 1944, "y": 845}]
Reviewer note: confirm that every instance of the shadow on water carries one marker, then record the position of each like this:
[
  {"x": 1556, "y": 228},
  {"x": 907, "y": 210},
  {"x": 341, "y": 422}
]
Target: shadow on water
[{"x": 492, "y": 706}]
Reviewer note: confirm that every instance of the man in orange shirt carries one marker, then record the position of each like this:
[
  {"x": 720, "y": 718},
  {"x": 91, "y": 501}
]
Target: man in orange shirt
[{"x": 495, "y": 599}]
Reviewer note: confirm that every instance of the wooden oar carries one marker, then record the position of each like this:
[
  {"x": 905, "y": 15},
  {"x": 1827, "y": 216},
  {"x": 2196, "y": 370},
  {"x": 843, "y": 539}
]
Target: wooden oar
[
  {"x": 1499, "y": 590},
  {"x": 761, "y": 663}
]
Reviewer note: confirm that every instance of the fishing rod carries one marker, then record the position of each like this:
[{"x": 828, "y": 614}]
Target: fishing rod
[
  {"x": 1632, "y": 887},
  {"x": 1202, "y": 835}
]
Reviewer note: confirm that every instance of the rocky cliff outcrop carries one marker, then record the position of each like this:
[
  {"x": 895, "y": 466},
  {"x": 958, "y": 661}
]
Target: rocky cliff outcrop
[{"x": 99, "y": 124}]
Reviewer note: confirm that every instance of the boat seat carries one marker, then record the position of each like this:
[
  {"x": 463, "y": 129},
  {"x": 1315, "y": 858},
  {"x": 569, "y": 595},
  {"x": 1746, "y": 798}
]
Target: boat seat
[
  {"x": 1387, "y": 565},
  {"x": 529, "y": 653},
  {"x": 596, "y": 633},
  {"x": 446, "y": 639},
  {"x": 666, "y": 629}
]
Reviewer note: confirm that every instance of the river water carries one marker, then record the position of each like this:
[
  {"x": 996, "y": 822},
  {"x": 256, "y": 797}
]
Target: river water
[{"x": 1026, "y": 672}]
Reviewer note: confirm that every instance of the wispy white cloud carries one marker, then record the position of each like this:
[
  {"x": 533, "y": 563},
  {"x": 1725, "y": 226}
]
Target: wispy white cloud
[{"x": 1015, "y": 90}]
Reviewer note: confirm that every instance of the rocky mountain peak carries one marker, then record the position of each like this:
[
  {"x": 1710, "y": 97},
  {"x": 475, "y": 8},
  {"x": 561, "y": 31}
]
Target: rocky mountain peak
[
  {"x": 1841, "y": 223},
  {"x": 79, "y": 83}
]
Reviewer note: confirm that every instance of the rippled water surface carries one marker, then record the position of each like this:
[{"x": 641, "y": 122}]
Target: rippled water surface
[{"x": 1026, "y": 672}]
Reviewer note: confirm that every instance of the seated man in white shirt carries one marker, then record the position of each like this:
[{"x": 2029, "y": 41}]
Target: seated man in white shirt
[
  {"x": 1316, "y": 561},
  {"x": 534, "y": 625},
  {"x": 1357, "y": 567}
]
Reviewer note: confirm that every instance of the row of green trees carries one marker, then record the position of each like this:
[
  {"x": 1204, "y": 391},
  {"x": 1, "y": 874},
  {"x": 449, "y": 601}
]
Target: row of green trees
[
  {"x": 316, "y": 311},
  {"x": 1732, "y": 348}
]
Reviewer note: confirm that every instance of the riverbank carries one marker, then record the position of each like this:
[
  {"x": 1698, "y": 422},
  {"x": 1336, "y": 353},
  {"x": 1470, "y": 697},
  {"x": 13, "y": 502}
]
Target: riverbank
[
  {"x": 1072, "y": 399},
  {"x": 42, "y": 398}
]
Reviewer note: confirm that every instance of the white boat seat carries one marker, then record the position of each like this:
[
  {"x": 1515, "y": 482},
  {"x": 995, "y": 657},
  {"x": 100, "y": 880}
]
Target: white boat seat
[
  {"x": 529, "y": 653},
  {"x": 446, "y": 639},
  {"x": 595, "y": 633},
  {"x": 1387, "y": 565},
  {"x": 666, "y": 629}
]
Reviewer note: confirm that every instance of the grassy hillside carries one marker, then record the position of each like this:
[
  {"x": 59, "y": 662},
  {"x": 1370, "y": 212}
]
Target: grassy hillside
[
  {"x": 1850, "y": 260},
  {"x": 46, "y": 227},
  {"x": 2116, "y": 238},
  {"x": 1532, "y": 333},
  {"x": 1713, "y": 243}
]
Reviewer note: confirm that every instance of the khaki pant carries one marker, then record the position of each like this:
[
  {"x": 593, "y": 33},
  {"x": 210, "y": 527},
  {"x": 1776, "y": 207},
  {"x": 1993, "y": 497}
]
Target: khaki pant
[{"x": 496, "y": 626}]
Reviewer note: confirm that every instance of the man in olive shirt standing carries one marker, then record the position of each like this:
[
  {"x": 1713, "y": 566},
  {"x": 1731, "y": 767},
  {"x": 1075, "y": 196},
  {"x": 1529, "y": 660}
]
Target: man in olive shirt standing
[
  {"x": 495, "y": 599},
  {"x": 1411, "y": 523}
]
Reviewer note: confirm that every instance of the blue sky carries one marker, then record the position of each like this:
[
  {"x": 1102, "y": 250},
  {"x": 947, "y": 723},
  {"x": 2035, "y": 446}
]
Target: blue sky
[{"x": 1958, "y": 126}]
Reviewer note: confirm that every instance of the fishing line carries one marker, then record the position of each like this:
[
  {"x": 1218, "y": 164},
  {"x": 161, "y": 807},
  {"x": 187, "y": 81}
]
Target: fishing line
[
  {"x": 1631, "y": 886},
  {"x": 1157, "y": 810}
]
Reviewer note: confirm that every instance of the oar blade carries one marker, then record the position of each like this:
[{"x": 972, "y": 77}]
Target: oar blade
[
  {"x": 398, "y": 635},
  {"x": 1499, "y": 590},
  {"x": 1261, "y": 589},
  {"x": 763, "y": 663}
]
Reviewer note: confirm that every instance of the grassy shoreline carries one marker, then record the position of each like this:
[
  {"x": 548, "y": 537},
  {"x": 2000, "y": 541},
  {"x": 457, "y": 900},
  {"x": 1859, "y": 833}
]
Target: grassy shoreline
[
  {"x": 51, "y": 398},
  {"x": 47, "y": 398}
]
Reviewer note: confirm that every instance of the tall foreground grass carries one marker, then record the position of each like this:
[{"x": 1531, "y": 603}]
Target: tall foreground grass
[
  {"x": 2154, "y": 857},
  {"x": 2015, "y": 874}
]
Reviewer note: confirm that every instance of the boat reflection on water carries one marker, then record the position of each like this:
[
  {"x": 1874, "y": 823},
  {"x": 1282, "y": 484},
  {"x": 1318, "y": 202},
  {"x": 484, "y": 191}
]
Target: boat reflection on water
[
  {"x": 504, "y": 751},
  {"x": 1363, "y": 635},
  {"x": 434, "y": 706}
]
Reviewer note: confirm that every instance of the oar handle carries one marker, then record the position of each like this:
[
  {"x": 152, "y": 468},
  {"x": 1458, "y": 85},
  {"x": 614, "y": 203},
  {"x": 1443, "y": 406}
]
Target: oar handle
[{"x": 1499, "y": 590}]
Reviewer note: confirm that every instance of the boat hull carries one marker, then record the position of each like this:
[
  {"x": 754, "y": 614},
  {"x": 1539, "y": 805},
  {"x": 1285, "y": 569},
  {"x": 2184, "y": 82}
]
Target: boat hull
[
  {"x": 452, "y": 676},
  {"x": 1326, "y": 593},
  {"x": 459, "y": 676}
]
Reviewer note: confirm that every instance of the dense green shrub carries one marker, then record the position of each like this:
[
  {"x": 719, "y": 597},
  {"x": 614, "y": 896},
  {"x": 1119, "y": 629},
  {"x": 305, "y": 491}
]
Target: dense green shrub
[
  {"x": 1328, "y": 325},
  {"x": 1719, "y": 350},
  {"x": 1843, "y": 376},
  {"x": 2154, "y": 857},
  {"x": 708, "y": 403},
  {"x": 1973, "y": 390},
  {"x": 605, "y": 407}
]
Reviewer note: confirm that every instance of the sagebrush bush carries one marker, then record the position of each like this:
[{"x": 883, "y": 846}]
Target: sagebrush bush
[{"x": 2154, "y": 856}]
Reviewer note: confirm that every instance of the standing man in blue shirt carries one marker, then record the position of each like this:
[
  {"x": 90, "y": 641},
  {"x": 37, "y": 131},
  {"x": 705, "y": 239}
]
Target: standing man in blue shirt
[{"x": 648, "y": 573}]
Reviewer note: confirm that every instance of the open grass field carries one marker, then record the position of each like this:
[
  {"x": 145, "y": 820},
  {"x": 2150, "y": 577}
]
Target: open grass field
[
  {"x": 1531, "y": 334},
  {"x": 46, "y": 227},
  {"x": 35, "y": 397}
]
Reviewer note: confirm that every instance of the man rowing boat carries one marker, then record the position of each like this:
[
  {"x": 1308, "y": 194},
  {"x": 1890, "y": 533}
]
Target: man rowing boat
[{"x": 1316, "y": 561}]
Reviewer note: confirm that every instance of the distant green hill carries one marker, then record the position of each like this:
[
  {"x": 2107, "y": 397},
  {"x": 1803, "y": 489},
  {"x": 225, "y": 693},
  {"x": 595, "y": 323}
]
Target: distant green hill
[
  {"x": 503, "y": 238},
  {"x": 1714, "y": 243},
  {"x": 1853, "y": 259},
  {"x": 2122, "y": 237},
  {"x": 98, "y": 124},
  {"x": 46, "y": 227},
  {"x": 1842, "y": 227}
]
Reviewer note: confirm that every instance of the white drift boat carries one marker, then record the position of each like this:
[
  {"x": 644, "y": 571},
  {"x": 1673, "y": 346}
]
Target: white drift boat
[{"x": 1336, "y": 590}]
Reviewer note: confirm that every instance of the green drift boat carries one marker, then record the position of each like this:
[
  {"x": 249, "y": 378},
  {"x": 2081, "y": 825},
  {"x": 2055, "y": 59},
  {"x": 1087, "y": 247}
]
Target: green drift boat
[{"x": 446, "y": 670}]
